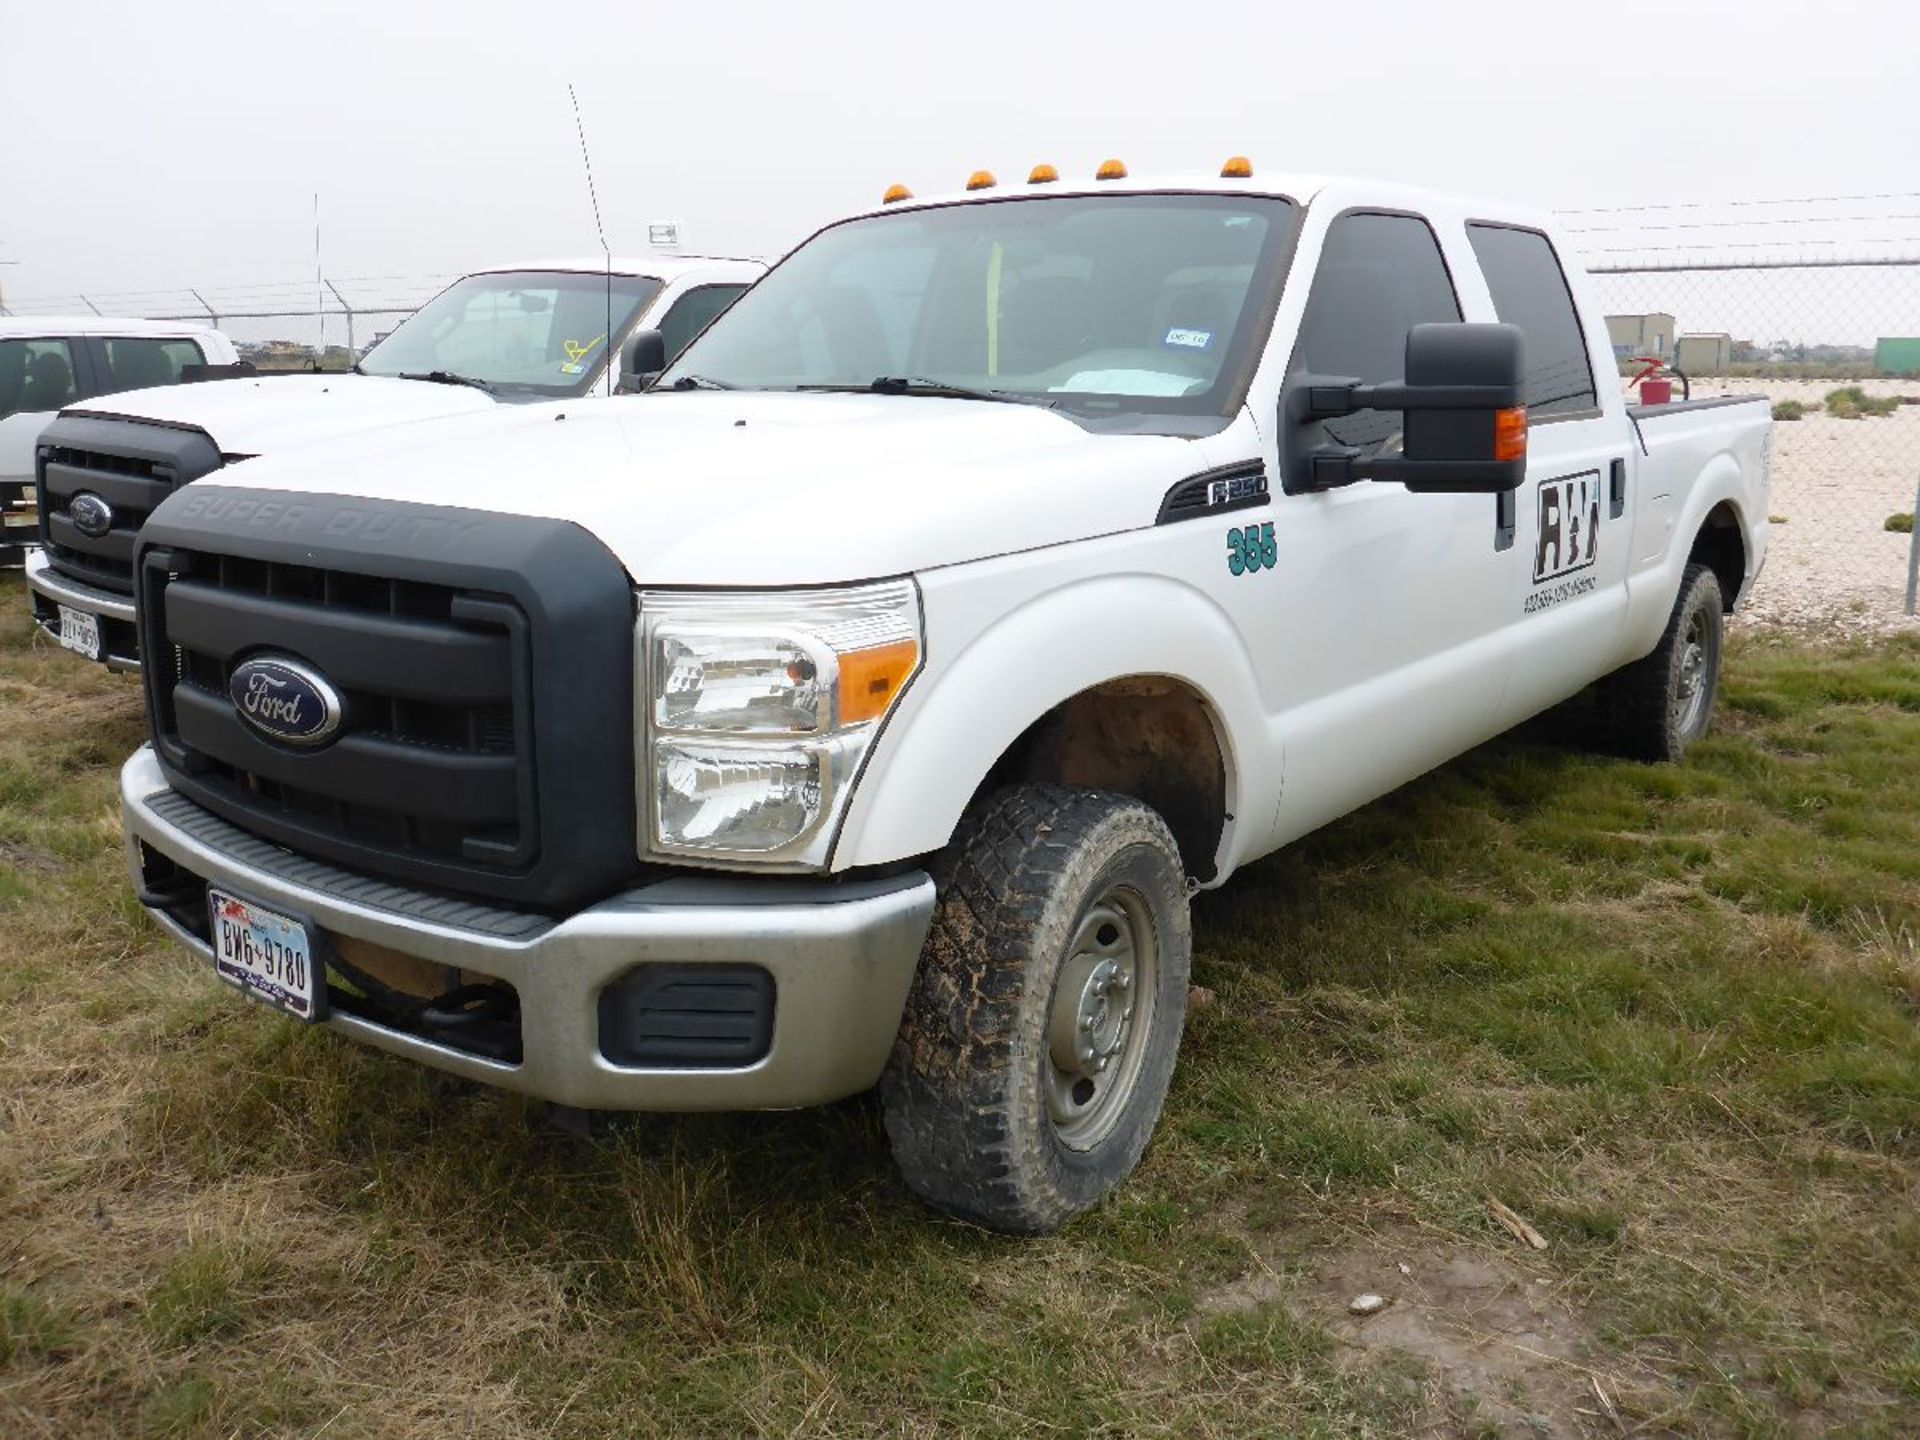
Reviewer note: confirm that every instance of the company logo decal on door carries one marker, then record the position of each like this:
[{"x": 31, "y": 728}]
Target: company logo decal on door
[
  {"x": 1568, "y": 536},
  {"x": 1566, "y": 541}
]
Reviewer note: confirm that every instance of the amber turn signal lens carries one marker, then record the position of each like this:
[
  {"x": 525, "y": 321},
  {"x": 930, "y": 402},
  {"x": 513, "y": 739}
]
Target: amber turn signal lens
[
  {"x": 1238, "y": 168},
  {"x": 981, "y": 180},
  {"x": 870, "y": 680},
  {"x": 896, "y": 193},
  {"x": 1111, "y": 170},
  {"x": 1510, "y": 433},
  {"x": 1043, "y": 175}
]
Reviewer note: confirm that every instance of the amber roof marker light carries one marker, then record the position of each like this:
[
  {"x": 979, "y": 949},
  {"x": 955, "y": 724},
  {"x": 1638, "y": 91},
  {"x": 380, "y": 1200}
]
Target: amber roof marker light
[
  {"x": 1042, "y": 175},
  {"x": 895, "y": 194},
  {"x": 1111, "y": 170},
  {"x": 1237, "y": 168},
  {"x": 981, "y": 180}
]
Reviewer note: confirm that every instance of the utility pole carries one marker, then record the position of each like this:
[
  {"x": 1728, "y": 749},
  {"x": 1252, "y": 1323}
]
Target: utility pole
[{"x": 3, "y": 290}]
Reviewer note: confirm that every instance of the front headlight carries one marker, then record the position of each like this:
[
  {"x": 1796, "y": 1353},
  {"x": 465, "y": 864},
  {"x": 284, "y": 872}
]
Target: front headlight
[{"x": 760, "y": 710}]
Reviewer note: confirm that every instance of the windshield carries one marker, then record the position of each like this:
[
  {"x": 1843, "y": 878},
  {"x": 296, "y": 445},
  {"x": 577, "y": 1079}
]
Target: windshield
[
  {"x": 523, "y": 333},
  {"x": 1092, "y": 303}
]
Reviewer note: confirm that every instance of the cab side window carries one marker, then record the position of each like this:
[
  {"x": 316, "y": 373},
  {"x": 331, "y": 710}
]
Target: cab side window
[
  {"x": 691, "y": 314},
  {"x": 141, "y": 363},
  {"x": 36, "y": 376},
  {"x": 1379, "y": 276},
  {"x": 1530, "y": 290}
]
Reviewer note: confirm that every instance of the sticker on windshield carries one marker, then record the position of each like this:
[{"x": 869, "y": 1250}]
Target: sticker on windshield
[
  {"x": 577, "y": 353},
  {"x": 1190, "y": 339}
]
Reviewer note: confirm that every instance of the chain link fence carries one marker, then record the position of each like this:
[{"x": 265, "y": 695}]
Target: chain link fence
[
  {"x": 348, "y": 312},
  {"x": 1836, "y": 346}
]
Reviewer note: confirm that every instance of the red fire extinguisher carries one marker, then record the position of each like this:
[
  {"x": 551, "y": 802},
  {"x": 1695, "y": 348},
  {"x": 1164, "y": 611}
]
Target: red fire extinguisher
[{"x": 1655, "y": 382}]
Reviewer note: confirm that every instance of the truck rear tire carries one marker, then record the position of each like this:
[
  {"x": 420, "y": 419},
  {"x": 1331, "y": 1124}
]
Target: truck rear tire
[
  {"x": 1656, "y": 707},
  {"x": 1041, "y": 1030}
]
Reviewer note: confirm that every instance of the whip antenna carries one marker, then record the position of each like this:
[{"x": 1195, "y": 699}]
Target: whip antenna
[{"x": 593, "y": 194}]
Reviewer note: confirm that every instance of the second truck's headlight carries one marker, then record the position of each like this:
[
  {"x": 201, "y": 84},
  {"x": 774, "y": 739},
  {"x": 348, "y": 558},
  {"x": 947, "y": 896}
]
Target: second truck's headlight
[{"x": 760, "y": 708}]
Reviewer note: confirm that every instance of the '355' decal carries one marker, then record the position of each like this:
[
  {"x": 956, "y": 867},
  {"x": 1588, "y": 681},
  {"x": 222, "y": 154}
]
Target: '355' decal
[{"x": 1251, "y": 549}]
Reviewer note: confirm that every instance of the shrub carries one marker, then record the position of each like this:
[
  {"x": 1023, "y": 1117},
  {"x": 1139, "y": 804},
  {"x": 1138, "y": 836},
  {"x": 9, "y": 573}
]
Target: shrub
[
  {"x": 1789, "y": 410},
  {"x": 1901, "y": 523},
  {"x": 1850, "y": 402}
]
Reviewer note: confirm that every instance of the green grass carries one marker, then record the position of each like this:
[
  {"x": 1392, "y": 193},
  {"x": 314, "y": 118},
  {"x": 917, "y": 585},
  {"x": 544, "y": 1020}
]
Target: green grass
[{"x": 1670, "y": 1015}]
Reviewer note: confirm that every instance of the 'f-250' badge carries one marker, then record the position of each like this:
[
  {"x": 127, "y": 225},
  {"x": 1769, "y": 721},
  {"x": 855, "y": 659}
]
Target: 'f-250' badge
[{"x": 1569, "y": 533}]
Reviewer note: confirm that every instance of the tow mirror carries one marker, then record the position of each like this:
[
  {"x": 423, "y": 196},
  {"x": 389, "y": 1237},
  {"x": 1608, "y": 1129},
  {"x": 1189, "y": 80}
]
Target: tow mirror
[
  {"x": 1465, "y": 428},
  {"x": 641, "y": 358}
]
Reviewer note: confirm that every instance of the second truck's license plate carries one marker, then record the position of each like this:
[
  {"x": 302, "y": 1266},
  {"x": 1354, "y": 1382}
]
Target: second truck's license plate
[
  {"x": 80, "y": 632},
  {"x": 265, "y": 954}
]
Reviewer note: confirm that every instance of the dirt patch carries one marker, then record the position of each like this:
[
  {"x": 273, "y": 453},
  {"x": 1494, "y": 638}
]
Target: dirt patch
[{"x": 1500, "y": 1351}]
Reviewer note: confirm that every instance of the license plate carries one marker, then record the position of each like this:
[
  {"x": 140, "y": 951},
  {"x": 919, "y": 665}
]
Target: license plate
[
  {"x": 265, "y": 954},
  {"x": 80, "y": 632}
]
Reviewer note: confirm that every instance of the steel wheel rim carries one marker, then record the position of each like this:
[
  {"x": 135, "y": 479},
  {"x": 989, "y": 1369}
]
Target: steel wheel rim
[
  {"x": 1099, "y": 1017},
  {"x": 1693, "y": 689}
]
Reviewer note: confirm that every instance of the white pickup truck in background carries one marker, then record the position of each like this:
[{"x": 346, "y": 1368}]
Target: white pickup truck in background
[
  {"x": 508, "y": 336},
  {"x": 863, "y": 704},
  {"x": 48, "y": 362}
]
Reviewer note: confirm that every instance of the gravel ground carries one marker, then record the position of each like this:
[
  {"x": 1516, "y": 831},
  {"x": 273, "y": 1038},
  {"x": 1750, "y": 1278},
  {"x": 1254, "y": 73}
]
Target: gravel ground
[{"x": 1832, "y": 565}]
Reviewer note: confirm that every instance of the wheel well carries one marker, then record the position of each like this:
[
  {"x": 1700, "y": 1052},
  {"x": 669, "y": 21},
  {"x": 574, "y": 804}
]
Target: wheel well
[
  {"x": 1149, "y": 737},
  {"x": 1722, "y": 547}
]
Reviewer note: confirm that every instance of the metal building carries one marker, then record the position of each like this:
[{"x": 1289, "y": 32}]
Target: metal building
[
  {"x": 1633, "y": 335},
  {"x": 1706, "y": 354},
  {"x": 1897, "y": 355}
]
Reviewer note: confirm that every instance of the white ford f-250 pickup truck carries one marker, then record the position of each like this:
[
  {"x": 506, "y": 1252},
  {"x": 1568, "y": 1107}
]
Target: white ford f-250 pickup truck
[
  {"x": 513, "y": 335},
  {"x": 863, "y": 704}
]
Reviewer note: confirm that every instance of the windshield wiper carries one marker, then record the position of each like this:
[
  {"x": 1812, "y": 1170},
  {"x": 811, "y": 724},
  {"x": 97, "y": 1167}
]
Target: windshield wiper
[
  {"x": 700, "y": 382},
  {"x": 445, "y": 377},
  {"x": 918, "y": 385}
]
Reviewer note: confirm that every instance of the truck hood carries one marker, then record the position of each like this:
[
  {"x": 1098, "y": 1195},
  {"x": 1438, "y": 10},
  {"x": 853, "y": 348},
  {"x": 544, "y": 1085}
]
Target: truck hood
[
  {"x": 258, "y": 416},
  {"x": 719, "y": 488}
]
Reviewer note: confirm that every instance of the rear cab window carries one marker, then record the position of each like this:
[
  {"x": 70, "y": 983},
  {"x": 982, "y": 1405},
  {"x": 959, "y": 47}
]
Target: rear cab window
[
  {"x": 142, "y": 362},
  {"x": 1530, "y": 290},
  {"x": 36, "y": 376}
]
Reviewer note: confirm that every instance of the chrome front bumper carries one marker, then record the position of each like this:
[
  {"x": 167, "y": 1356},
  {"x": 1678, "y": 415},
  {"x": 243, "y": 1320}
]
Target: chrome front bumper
[
  {"x": 119, "y": 646},
  {"x": 841, "y": 957}
]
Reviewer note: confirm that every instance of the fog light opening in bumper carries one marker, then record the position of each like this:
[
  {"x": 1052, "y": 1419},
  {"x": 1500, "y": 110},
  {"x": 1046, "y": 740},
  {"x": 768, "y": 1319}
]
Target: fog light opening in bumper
[{"x": 688, "y": 1017}]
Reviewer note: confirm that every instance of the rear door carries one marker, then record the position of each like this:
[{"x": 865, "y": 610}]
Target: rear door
[
  {"x": 139, "y": 362},
  {"x": 1572, "y": 519},
  {"x": 38, "y": 377}
]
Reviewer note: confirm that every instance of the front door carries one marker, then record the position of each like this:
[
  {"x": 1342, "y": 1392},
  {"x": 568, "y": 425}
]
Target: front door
[{"x": 1389, "y": 661}]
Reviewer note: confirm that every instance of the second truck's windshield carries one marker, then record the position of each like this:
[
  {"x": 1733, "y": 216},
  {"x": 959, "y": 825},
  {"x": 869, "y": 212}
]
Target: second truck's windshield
[
  {"x": 1092, "y": 302},
  {"x": 525, "y": 333}
]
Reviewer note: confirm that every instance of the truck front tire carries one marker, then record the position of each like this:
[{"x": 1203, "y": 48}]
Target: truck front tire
[
  {"x": 1656, "y": 707},
  {"x": 1040, "y": 1034}
]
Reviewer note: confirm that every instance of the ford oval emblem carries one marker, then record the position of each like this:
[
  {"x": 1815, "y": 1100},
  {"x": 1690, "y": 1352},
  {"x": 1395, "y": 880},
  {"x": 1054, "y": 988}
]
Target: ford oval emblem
[
  {"x": 285, "y": 700},
  {"x": 91, "y": 515}
]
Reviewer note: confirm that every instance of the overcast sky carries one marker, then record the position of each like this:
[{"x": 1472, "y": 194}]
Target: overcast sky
[{"x": 153, "y": 146}]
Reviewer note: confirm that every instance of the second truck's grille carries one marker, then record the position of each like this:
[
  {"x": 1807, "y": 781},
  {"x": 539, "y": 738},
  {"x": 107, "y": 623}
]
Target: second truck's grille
[
  {"x": 129, "y": 464},
  {"x": 428, "y": 762}
]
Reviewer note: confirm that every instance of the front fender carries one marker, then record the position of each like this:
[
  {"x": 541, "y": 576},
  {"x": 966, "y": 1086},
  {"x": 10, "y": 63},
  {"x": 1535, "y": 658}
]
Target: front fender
[{"x": 992, "y": 672}]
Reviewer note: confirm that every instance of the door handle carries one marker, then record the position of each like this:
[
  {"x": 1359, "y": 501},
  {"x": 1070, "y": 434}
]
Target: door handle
[{"x": 1617, "y": 489}]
